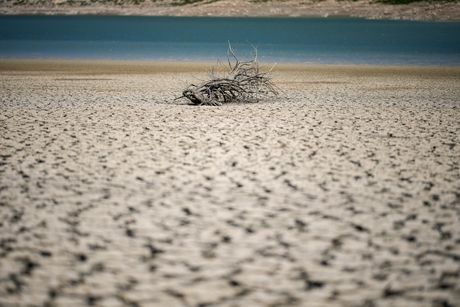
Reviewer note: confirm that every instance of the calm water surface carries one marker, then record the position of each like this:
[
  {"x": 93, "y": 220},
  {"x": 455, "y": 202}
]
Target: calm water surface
[{"x": 306, "y": 40}]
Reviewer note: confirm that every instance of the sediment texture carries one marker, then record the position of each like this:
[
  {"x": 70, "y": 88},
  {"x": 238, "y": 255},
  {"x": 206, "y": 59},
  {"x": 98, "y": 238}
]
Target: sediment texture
[{"x": 344, "y": 191}]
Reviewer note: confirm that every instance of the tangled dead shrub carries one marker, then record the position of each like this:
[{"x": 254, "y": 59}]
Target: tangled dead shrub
[{"x": 243, "y": 81}]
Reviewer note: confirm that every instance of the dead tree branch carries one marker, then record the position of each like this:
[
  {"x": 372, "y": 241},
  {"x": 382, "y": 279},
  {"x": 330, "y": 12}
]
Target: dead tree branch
[{"x": 243, "y": 81}]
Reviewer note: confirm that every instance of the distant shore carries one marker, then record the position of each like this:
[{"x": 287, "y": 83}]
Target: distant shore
[{"x": 428, "y": 11}]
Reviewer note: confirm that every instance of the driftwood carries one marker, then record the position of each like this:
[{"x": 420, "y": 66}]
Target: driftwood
[{"x": 242, "y": 82}]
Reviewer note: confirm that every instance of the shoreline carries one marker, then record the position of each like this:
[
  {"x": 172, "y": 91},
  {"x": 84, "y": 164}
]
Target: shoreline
[
  {"x": 319, "y": 17},
  {"x": 152, "y": 66},
  {"x": 328, "y": 17},
  {"x": 421, "y": 11}
]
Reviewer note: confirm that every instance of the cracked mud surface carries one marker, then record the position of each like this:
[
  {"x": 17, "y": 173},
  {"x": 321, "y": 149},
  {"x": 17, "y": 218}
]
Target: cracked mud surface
[{"x": 345, "y": 191}]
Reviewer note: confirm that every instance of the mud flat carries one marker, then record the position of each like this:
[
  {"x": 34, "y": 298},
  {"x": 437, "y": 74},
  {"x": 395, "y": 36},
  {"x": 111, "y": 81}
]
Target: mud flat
[{"x": 343, "y": 191}]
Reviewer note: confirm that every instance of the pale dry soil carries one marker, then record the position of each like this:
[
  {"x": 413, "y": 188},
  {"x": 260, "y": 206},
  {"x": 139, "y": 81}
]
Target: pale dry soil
[{"x": 342, "y": 191}]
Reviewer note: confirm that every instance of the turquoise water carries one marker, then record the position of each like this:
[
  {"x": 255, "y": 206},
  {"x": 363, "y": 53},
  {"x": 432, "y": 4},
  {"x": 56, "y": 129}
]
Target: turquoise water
[{"x": 306, "y": 40}]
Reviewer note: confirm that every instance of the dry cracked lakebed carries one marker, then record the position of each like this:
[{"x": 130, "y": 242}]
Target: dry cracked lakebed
[{"x": 343, "y": 191}]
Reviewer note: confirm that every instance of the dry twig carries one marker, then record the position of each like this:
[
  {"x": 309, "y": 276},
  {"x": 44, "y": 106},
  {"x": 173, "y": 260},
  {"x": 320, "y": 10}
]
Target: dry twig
[{"x": 243, "y": 82}]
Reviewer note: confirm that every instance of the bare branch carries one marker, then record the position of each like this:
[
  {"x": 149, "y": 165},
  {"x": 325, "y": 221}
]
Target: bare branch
[{"x": 243, "y": 82}]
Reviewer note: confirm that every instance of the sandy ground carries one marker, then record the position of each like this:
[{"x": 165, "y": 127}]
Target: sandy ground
[
  {"x": 371, "y": 9},
  {"x": 343, "y": 191}
]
